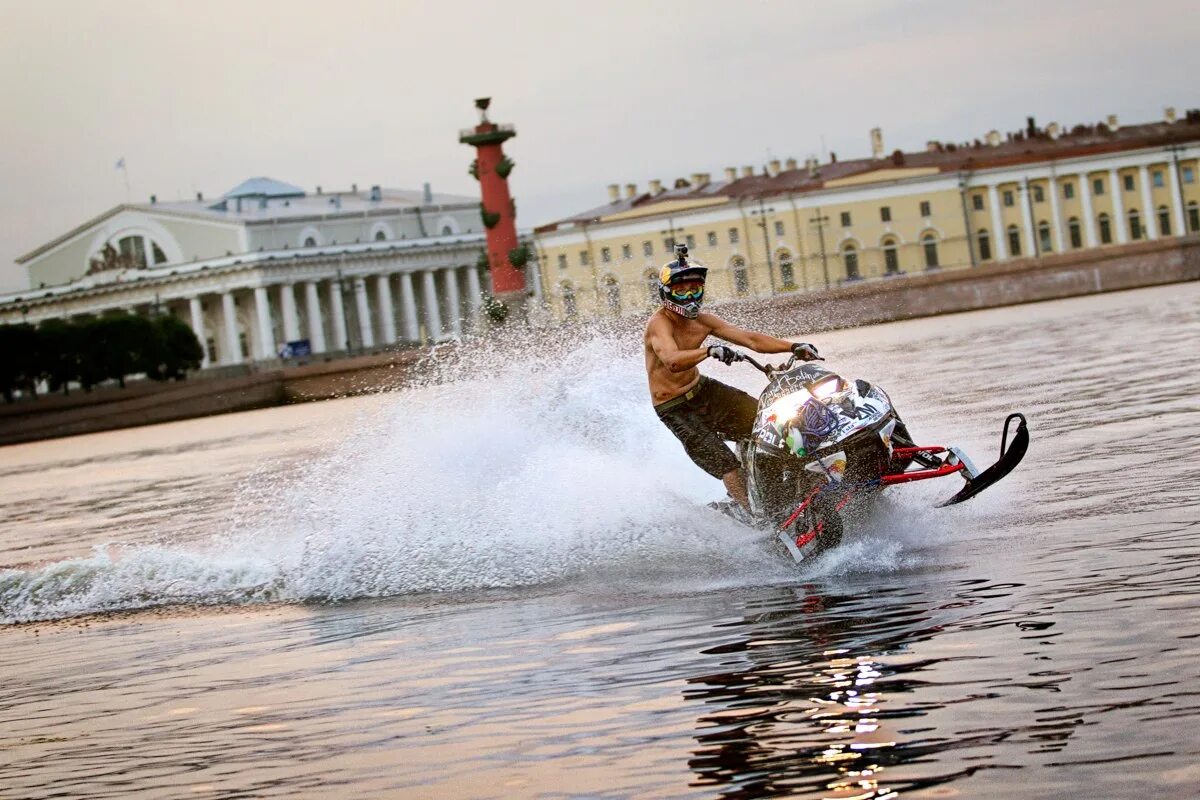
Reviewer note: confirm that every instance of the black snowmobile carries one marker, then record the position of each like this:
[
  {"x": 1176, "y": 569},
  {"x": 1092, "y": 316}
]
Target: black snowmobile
[{"x": 822, "y": 445}]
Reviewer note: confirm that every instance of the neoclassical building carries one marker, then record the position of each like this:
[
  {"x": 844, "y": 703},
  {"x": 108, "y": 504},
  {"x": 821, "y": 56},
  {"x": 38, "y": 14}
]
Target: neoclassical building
[
  {"x": 792, "y": 227},
  {"x": 268, "y": 264}
]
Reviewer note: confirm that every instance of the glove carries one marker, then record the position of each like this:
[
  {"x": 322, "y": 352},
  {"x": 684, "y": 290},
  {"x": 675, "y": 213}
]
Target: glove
[
  {"x": 726, "y": 355},
  {"x": 806, "y": 352}
]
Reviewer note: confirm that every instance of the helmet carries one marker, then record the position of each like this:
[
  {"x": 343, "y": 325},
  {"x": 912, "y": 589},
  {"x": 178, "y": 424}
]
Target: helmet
[{"x": 679, "y": 271}]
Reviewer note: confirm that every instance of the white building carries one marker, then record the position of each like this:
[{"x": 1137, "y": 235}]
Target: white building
[{"x": 267, "y": 264}]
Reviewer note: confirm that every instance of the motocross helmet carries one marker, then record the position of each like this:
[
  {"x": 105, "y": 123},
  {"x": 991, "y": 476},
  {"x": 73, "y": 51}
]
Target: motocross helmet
[{"x": 684, "y": 302}]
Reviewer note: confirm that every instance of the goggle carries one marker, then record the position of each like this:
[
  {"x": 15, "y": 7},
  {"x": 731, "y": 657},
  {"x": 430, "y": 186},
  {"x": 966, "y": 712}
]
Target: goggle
[{"x": 685, "y": 293}]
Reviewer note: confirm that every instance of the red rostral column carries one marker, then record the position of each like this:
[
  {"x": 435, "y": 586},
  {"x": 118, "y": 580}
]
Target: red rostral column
[{"x": 499, "y": 214}]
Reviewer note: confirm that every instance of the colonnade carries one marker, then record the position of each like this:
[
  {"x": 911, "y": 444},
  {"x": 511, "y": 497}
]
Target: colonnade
[{"x": 332, "y": 321}]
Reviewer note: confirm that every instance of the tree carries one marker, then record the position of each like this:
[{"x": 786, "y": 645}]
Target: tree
[
  {"x": 59, "y": 353},
  {"x": 18, "y": 358},
  {"x": 176, "y": 350}
]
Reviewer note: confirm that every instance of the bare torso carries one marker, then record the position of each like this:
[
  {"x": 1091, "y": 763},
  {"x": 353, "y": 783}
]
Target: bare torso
[{"x": 688, "y": 334}]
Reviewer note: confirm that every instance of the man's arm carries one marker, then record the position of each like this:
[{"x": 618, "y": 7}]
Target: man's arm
[
  {"x": 663, "y": 344},
  {"x": 758, "y": 342}
]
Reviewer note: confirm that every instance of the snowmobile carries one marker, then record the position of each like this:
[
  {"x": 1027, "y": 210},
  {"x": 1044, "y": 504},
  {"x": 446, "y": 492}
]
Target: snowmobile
[{"x": 823, "y": 445}]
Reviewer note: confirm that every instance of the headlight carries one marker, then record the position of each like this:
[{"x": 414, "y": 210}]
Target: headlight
[
  {"x": 788, "y": 406},
  {"x": 829, "y": 388}
]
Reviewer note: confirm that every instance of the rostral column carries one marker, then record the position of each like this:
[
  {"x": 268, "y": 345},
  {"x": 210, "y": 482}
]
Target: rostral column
[{"x": 491, "y": 167}]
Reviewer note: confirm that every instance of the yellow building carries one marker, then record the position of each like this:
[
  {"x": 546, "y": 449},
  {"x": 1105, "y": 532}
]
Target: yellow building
[{"x": 790, "y": 228}]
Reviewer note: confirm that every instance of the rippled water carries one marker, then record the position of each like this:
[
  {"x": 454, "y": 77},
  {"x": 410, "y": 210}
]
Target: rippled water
[{"x": 505, "y": 588}]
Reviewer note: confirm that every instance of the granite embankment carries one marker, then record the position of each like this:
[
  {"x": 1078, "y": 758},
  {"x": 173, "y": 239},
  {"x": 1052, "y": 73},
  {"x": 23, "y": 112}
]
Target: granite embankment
[{"x": 904, "y": 297}]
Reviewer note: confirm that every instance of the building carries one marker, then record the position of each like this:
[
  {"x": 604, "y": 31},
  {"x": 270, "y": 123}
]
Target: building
[
  {"x": 268, "y": 264},
  {"x": 789, "y": 228}
]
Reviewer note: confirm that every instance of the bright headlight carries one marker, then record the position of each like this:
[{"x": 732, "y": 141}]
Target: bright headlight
[
  {"x": 787, "y": 406},
  {"x": 829, "y": 388}
]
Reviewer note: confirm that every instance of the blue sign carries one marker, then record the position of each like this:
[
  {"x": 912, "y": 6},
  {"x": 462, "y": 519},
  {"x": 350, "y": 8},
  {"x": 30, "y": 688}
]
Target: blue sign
[{"x": 297, "y": 349}]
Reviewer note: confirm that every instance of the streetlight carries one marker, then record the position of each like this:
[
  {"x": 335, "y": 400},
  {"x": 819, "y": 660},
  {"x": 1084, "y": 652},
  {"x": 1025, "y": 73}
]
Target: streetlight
[
  {"x": 761, "y": 213},
  {"x": 819, "y": 220}
]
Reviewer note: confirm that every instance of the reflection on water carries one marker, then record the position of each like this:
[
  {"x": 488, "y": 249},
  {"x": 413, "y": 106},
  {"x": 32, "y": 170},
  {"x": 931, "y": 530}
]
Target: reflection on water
[{"x": 583, "y": 631}]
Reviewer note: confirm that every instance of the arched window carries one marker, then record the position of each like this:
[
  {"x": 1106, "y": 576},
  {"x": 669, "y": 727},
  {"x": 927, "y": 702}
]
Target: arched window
[
  {"x": 1074, "y": 232},
  {"x": 1135, "y": 224},
  {"x": 891, "y": 257},
  {"x": 447, "y": 230},
  {"x": 741, "y": 279},
  {"x": 651, "y": 278},
  {"x": 612, "y": 294},
  {"x": 850, "y": 260},
  {"x": 570, "y": 310},
  {"x": 929, "y": 245},
  {"x": 1193, "y": 217},
  {"x": 380, "y": 236},
  {"x": 1014, "y": 240},
  {"x": 787, "y": 272},
  {"x": 985, "y": 244},
  {"x": 1105, "y": 229},
  {"x": 1044, "y": 243},
  {"x": 1164, "y": 221},
  {"x": 311, "y": 242}
]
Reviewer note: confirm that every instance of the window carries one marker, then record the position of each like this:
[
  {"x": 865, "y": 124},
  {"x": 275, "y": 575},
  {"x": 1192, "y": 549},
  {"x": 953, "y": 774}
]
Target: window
[
  {"x": 1105, "y": 229},
  {"x": 850, "y": 259},
  {"x": 885, "y": 213},
  {"x": 562, "y": 260},
  {"x": 1044, "y": 243},
  {"x": 1069, "y": 190},
  {"x": 691, "y": 242},
  {"x": 929, "y": 244},
  {"x": 669, "y": 245},
  {"x": 977, "y": 202},
  {"x": 741, "y": 280},
  {"x": 891, "y": 259},
  {"x": 1098, "y": 187},
  {"x": 985, "y": 245},
  {"x": 447, "y": 230},
  {"x": 626, "y": 251},
  {"x": 381, "y": 236},
  {"x": 786, "y": 272},
  {"x": 647, "y": 249},
  {"x": 570, "y": 311},
  {"x": 733, "y": 235},
  {"x": 606, "y": 255},
  {"x": 310, "y": 242},
  {"x": 1189, "y": 175},
  {"x": 1164, "y": 221},
  {"x": 845, "y": 219},
  {"x": 612, "y": 295},
  {"x": 1193, "y": 217},
  {"x": 712, "y": 238},
  {"x": 1014, "y": 241},
  {"x": 133, "y": 248},
  {"x": 925, "y": 208},
  {"x": 156, "y": 252},
  {"x": 1135, "y": 224},
  {"x": 1008, "y": 198},
  {"x": 778, "y": 228},
  {"x": 1075, "y": 233},
  {"x": 1039, "y": 195},
  {"x": 1157, "y": 178},
  {"x": 651, "y": 279},
  {"x": 584, "y": 258},
  {"x": 1128, "y": 183}
]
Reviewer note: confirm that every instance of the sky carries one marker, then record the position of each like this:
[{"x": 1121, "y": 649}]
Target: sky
[{"x": 197, "y": 96}]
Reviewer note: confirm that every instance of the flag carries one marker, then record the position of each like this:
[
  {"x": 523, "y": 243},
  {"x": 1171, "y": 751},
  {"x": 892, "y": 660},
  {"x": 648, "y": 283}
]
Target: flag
[{"x": 120, "y": 163}]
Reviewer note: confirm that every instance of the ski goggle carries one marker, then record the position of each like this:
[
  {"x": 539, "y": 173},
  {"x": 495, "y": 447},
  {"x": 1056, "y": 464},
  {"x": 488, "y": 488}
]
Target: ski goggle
[{"x": 687, "y": 293}]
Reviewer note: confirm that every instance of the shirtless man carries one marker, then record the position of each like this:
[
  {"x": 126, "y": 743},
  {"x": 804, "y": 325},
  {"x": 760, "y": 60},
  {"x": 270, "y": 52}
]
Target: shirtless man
[{"x": 702, "y": 413}]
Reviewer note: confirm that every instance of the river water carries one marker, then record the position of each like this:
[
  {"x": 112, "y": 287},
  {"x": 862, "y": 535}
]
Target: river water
[{"x": 508, "y": 587}]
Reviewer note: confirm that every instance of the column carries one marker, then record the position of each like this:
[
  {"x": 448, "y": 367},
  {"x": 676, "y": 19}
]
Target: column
[
  {"x": 341, "y": 336},
  {"x": 312, "y": 305},
  {"x": 387, "y": 311},
  {"x": 287, "y": 307},
  {"x": 231, "y": 348},
  {"x": 999, "y": 236},
  {"x": 433, "y": 317},
  {"x": 1027, "y": 219},
  {"x": 451, "y": 282},
  {"x": 408, "y": 308},
  {"x": 1176, "y": 203},
  {"x": 197, "y": 310},
  {"x": 475, "y": 295},
  {"x": 1089, "y": 216},
  {"x": 1114, "y": 185},
  {"x": 364, "y": 313},
  {"x": 266, "y": 336},
  {"x": 1059, "y": 242},
  {"x": 1149, "y": 217}
]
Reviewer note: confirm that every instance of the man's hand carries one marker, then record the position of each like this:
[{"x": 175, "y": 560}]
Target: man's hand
[
  {"x": 806, "y": 352},
  {"x": 726, "y": 355}
]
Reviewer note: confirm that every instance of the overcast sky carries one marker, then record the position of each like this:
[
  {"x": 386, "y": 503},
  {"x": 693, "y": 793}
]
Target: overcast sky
[{"x": 197, "y": 96}]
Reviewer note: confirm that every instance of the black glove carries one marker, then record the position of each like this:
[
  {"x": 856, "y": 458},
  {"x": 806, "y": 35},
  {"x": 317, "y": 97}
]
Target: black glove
[
  {"x": 726, "y": 355},
  {"x": 806, "y": 352}
]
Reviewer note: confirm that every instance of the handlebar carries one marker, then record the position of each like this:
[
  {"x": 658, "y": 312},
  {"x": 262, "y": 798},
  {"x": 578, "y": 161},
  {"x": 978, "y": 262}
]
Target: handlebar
[{"x": 770, "y": 369}]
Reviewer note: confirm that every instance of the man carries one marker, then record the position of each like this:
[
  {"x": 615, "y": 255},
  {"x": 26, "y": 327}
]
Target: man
[{"x": 702, "y": 413}]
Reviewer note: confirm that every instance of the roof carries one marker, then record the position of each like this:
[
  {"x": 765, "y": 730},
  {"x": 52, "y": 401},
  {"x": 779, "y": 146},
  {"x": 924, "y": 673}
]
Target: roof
[{"x": 1033, "y": 145}]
